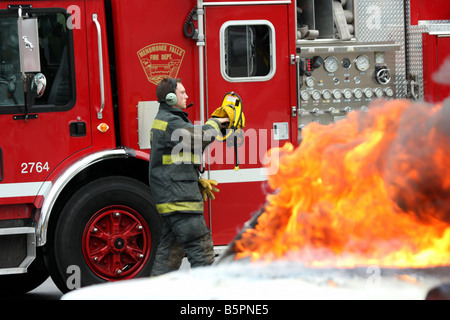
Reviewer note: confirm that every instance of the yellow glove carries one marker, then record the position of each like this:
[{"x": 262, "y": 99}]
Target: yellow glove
[{"x": 207, "y": 189}]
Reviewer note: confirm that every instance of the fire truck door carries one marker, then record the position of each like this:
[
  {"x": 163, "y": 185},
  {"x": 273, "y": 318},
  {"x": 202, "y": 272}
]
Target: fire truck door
[
  {"x": 436, "y": 57},
  {"x": 247, "y": 52},
  {"x": 38, "y": 132},
  {"x": 443, "y": 57}
]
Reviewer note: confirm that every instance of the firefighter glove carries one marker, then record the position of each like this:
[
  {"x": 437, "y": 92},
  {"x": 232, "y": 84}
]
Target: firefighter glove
[{"x": 207, "y": 188}]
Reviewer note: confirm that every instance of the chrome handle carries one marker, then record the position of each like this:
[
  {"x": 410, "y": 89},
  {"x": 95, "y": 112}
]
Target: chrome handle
[
  {"x": 1, "y": 165},
  {"x": 100, "y": 62}
]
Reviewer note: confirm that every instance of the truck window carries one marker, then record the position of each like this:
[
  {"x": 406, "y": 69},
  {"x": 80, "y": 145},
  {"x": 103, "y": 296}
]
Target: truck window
[
  {"x": 11, "y": 86},
  {"x": 54, "y": 47},
  {"x": 247, "y": 51}
]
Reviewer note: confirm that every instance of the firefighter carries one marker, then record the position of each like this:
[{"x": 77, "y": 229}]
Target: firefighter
[{"x": 175, "y": 159}]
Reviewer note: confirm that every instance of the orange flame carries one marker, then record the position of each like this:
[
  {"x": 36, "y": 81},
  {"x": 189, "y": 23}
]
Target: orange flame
[{"x": 371, "y": 189}]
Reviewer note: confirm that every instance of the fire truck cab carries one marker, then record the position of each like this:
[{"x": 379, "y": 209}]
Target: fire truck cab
[{"x": 77, "y": 101}]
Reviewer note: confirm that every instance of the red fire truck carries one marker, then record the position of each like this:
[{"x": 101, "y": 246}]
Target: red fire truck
[{"x": 77, "y": 101}]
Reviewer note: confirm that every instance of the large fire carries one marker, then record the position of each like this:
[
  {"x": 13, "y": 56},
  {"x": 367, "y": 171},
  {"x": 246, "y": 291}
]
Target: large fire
[{"x": 371, "y": 189}]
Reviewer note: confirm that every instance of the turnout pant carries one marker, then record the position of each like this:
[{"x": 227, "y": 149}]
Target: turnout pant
[{"x": 183, "y": 234}]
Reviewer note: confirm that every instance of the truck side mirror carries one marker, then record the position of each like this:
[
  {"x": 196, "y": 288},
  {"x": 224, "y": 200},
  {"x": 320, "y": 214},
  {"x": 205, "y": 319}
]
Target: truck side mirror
[{"x": 38, "y": 85}]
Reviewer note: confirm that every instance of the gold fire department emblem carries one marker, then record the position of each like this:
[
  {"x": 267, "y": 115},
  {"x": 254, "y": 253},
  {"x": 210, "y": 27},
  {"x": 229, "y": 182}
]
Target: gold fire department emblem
[{"x": 160, "y": 60}]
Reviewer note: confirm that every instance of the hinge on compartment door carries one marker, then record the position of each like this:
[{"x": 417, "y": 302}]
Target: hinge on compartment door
[{"x": 293, "y": 111}]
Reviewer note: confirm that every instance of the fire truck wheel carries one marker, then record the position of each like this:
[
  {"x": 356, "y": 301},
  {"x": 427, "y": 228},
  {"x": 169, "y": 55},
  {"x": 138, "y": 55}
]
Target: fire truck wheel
[{"x": 108, "y": 230}]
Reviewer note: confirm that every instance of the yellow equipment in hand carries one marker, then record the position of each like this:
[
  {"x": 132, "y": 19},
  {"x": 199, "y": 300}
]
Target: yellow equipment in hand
[{"x": 231, "y": 108}]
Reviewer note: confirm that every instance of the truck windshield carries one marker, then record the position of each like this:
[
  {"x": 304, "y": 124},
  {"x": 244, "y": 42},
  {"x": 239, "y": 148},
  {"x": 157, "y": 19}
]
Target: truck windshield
[{"x": 55, "y": 59}]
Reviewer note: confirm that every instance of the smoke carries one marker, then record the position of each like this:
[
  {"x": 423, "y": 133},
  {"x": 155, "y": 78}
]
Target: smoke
[
  {"x": 417, "y": 164},
  {"x": 442, "y": 75}
]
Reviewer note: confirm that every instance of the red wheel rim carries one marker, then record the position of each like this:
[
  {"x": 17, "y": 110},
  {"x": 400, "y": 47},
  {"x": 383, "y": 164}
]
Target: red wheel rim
[{"x": 116, "y": 243}]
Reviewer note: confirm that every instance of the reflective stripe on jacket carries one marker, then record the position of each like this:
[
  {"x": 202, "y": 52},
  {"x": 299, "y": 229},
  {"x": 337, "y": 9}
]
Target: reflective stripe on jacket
[{"x": 176, "y": 153}]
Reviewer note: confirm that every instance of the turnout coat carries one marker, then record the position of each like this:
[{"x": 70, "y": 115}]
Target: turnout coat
[{"x": 175, "y": 158}]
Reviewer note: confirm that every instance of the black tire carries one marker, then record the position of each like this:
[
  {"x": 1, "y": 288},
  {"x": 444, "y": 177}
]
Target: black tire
[{"x": 70, "y": 248}]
